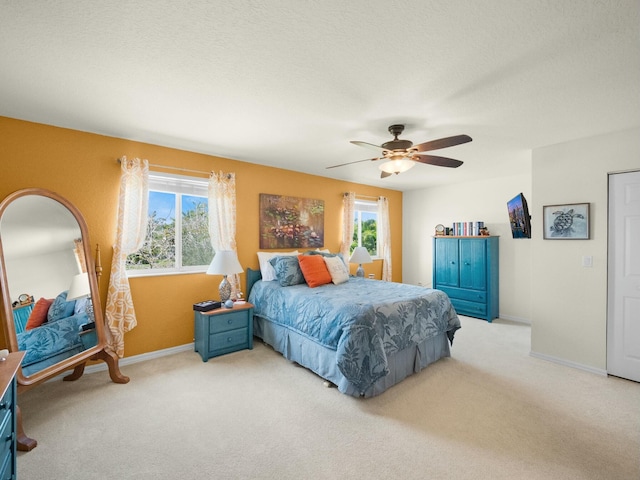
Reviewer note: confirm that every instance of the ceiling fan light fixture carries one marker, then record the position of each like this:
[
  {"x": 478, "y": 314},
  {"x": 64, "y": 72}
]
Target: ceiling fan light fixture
[
  {"x": 397, "y": 166},
  {"x": 395, "y": 156},
  {"x": 401, "y": 155}
]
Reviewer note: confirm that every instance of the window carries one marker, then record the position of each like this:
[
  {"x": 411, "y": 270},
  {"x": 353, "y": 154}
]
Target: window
[
  {"x": 164, "y": 250},
  {"x": 365, "y": 229}
]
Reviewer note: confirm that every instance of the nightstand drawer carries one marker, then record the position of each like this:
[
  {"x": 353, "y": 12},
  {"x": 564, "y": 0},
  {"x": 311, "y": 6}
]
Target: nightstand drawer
[
  {"x": 6, "y": 469},
  {"x": 228, "y": 321},
  {"x": 230, "y": 339},
  {"x": 7, "y": 437},
  {"x": 6, "y": 406},
  {"x": 6, "y": 424}
]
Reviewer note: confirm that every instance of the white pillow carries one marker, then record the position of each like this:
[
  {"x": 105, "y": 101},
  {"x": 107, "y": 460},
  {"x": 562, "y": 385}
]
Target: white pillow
[
  {"x": 337, "y": 269},
  {"x": 266, "y": 269}
]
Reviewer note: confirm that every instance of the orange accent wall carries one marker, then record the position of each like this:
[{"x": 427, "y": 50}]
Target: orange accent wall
[{"x": 82, "y": 167}]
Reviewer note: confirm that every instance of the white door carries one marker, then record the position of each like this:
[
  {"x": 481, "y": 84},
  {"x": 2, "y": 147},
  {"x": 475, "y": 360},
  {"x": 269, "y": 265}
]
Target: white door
[{"x": 623, "y": 322}]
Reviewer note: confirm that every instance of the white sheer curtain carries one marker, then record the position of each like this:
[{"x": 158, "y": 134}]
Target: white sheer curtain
[
  {"x": 384, "y": 237},
  {"x": 348, "y": 203},
  {"x": 120, "y": 316},
  {"x": 222, "y": 218}
]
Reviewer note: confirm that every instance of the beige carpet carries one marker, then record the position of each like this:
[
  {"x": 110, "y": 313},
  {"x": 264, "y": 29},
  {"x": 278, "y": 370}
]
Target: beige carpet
[{"x": 489, "y": 412}]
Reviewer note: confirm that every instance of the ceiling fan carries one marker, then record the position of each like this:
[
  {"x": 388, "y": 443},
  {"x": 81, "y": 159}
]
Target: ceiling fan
[{"x": 401, "y": 155}]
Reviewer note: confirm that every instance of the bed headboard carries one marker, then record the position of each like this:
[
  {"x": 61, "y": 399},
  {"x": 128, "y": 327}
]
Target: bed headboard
[
  {"x": 21, "y": 316},
  {"x": 252, "y": 277}
]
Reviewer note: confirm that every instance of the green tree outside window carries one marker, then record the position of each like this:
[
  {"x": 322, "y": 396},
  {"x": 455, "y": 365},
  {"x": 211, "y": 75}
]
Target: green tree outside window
[
  {"x": 365, "y": 228},
  {"x": 159, "y": 248}
]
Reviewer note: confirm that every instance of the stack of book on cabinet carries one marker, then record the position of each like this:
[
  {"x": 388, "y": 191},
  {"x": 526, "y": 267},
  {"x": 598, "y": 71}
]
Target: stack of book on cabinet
[{"x": 467, "y": 229}]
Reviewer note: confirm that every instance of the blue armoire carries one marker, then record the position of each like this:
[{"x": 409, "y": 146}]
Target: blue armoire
[{"x": 466, "y": 269}]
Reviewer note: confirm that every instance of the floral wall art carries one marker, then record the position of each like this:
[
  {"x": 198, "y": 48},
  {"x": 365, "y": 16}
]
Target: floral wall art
[{"x": 291, "y": 222}]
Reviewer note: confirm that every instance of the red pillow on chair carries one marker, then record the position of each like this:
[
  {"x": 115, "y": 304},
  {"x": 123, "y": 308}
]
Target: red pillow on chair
[
  {"x": 314, "y": 270},
  {"x": 39, "y": 313}
]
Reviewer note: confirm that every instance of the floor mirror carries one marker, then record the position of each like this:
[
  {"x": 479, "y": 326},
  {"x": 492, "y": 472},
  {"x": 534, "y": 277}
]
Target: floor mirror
[{"x": 49, "y": 290}]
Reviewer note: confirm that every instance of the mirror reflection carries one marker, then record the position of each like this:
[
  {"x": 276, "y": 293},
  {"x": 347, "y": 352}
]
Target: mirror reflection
[{"x": 47, "y": 280}]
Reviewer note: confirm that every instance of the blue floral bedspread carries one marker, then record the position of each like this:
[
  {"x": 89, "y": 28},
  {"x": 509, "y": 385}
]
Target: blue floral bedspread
[
  {"x": 51, "y": 338},
  {"x": 363, "y": 320}
]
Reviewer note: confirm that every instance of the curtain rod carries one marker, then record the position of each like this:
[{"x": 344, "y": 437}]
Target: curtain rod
[
  {"x": 363, "y": 196},
  {"x": 174, "y": 168}
]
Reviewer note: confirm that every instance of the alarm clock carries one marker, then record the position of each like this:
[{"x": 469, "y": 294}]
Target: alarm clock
[
  {"x": 439, "y": 230},
  {"x": 24, "y": 299}
]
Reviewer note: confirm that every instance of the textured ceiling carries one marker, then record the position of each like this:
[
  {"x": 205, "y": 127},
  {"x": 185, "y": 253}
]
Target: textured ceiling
[{"x": 289, "y": 83}]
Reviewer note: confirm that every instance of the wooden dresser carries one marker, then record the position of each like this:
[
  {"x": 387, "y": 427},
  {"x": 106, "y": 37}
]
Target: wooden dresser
[{"x": 8, "y": 369}]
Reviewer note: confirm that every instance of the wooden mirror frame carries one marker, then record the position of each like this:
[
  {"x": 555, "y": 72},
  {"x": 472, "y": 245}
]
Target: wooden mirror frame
[{"x": 78, "y": 361}]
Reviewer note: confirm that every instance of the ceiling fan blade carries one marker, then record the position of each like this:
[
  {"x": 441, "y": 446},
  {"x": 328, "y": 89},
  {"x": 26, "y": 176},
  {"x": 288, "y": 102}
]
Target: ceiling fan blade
[
  {"x": 385, "y": 174},
  {"x": 442, "y": 143},
  {"x": 438, "y": 161},
  {"x": 367, "y": 145},
  {"x": 357, "y": 161}
]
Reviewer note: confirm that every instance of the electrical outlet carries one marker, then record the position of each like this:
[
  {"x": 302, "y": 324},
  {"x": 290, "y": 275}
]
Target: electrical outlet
[{"x": 587, "y": 261}]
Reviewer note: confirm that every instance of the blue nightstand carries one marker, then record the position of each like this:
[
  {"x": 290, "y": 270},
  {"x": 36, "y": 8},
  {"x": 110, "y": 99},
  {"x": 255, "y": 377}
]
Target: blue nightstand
[{"x": 223, "y": 330}]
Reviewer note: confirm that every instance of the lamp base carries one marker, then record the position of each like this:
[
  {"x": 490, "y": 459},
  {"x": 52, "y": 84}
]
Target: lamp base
[
  {"x": 224, "y": 289},
  {"x": 360, "y": 271}
]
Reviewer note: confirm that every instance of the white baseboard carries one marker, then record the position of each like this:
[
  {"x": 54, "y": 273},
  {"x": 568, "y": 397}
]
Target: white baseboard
[
  {"x": 567, "y": 363},
  {"x": 143, "y": 357},
  {"x": 516, "y": 319}
]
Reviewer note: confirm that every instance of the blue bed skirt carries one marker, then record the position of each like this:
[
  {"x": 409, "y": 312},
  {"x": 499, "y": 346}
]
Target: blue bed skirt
[{"x": 322, "y": 360}]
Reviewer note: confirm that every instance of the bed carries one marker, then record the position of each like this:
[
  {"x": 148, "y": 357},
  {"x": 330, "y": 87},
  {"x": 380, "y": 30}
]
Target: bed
[
  {"x": 363, "y": 336},
  {"x": 60, "y": 329}
]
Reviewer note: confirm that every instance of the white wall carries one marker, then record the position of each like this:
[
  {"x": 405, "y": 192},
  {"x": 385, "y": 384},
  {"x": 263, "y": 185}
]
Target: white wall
[
  {"x": 43, "y": 275},
  {"x": 569, "y": 308},
  {"x": 484, "y": 201}
]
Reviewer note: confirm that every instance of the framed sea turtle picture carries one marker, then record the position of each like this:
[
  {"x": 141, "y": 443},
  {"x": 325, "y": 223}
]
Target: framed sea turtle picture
[{"x": 566, "y": 222}]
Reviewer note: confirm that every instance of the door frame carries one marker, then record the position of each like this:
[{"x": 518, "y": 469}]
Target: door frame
[{"x": 609, "y": 262}]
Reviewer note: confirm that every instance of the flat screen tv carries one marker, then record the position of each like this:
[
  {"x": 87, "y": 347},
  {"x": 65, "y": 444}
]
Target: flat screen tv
[{"x": 519, "y": 218}]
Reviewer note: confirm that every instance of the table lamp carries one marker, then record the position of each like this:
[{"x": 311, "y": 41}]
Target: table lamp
[
  {"x": 360, "y": 255},
  {"x": 225, "y": 262}
]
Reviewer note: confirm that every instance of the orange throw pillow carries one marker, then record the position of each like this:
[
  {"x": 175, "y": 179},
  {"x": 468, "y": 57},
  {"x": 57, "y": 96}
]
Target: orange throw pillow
[
  {"x": 314, "y": 270},
  {"x": 39, "y": 313}
]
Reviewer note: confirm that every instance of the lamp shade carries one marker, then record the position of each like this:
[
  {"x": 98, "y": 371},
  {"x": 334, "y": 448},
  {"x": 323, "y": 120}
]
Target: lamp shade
[
  {"x": 79, "y": 287},
  {"x": 225, "y": 262},
  {"x": 360, "y": 255},
  {"x": 397, "y": 166}
]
